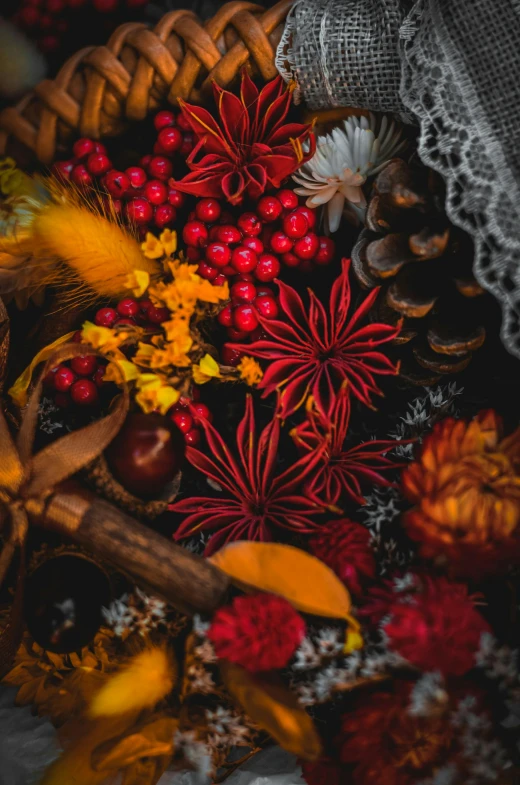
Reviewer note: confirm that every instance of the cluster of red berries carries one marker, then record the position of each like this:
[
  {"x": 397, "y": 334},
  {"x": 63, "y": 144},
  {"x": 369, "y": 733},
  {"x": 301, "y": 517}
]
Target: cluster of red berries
[
  {"x": 140, "y": 193},
  {"x": 132, "y": 312},
  {"x": 254, "y": 244},
  {"x": 240, "y": 315},
  {"x": 186, "y": 413},
  {"x": 76, "y": 381}
]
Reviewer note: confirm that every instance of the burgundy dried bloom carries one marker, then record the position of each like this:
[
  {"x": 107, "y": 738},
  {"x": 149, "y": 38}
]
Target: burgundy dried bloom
[{"x": 344, "y": 546}]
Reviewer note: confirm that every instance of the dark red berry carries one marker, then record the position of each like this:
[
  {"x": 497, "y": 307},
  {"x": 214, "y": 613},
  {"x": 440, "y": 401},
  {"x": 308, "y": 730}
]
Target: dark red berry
[
  {"x": 77, "y": 337},
  {"x": 225, "y": 316},
  {"x": 250, "y": 224},
  {"x": 280, "y": 243},
  {"x": 49, "y": 43},
  {"x": 98, "y": 164},
  {"x": 266, "y": 306},
  {"x": 139, "y": 210},
  {"x": 183, "y": 123},
  {"x": 208, "y": 210},
  {"x": 82, "y": 148},
  {"x": 236, "y": 335},
  {"x": 48, "y": 379},
  {"x": 207, "y": 271},
  {"x": 188, "y": 143},
  {"x": 64, "y": 378},
  {"x": 220, "y": 280},
  {"x": 288, "y": 199},
  {"x": 254, "y": 243},
  {"x": 98, "y": 376},
  {"x": 100, "y": 148},
  {"x": 243, "y": 259},
  {"x": 170, "y": 139},
  {"x": 155, "y": 191},
  {"x": 80, "y": 175},
  {"x": 259, "y": 334},
  {"x": 165, "y": 214},
  {"x": 55, "y": 6},
  {"x": 192, "y": 438},
  {"x": 269, "y": 208},
  {"x": 183, "y": 420},
  {"x": 136, "y": 175},
  {"x": 218, "y": 254},
  {"x": 295, "y": 225},
  {"x": 105, "y": 317},
  {"x": 268, "y": 268},
  {"x": 326, "y": 249},
  {"x": 145, "y": 160},
  {"x": 117, "y": 183},
  {"x": 230, "y": 355},
  {"x": 128, "y": 308},
  {"x": 201, "y": 410},
  {"x": 62, "y": 169},
  {"x": 125, "y": 323},
  {"x": 290, "y": 260},
  {"x": 309, "y": 214},
  {"x": 243, "y": 291},
  {"x": 307, "y": 247},
  {"x": 157, "y": 315},
  {"x": 28, "y": 16},
  {"x": 176, "y": 198},
  {"x": 195, "y": 234},
  {"x": 84, "y": 392},
  {"x": 229, "y": 234},
  {"x": 62, "y": 400},
  {"x": 84, "y": 365},
  {"x": 160, "y": 167},
  {"x": 245, "y": 318},
  {"x": 158, "y": 149},
  {"x": 163, "y": 119},
  {"x": 193, "y": 254}
]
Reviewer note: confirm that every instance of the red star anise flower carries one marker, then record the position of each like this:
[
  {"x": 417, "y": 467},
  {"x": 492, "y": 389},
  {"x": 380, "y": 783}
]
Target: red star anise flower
[
  {"x": 255, "y": 499},
  {"x": 314, "y": 351},
  {"x": 251, "y": 147},
  {"x": 339, "y": 470}
]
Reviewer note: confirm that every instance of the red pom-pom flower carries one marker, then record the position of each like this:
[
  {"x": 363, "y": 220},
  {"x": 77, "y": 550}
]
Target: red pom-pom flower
[
  {"x": 260, "y": 632},
  {"x": 344, "y": 547}
]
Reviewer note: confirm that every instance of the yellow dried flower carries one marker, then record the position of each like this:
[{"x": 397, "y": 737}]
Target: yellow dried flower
[
  {"x": 102, "y": 337},
  {"x": 250, "y": 371},
  {"x": 155, "y": 394},
  {"x": 152, "y": 247},
  {"x": 206, "y": 370},
  {"x": 138, "y": 282},
  {"x": 169, "y": 241},
  {"x": 118, "y": 368},
  {"x": 174, "y": 353}
]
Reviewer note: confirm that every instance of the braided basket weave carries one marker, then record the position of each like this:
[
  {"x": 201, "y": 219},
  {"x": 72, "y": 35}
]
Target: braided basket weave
[{"x": 101, "y": 88}]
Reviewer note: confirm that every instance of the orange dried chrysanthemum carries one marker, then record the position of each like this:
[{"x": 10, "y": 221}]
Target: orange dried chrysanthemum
[{"x": 466, "y": 488}]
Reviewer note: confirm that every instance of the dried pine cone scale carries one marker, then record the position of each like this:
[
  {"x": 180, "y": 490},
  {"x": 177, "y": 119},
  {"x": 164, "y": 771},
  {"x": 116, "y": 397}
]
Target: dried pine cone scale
[{"x": 423, "y": 265}]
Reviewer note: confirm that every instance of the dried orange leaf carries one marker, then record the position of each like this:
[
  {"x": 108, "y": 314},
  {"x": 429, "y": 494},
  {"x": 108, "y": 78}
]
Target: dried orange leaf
[
  {"x": 274, "y": 709},
  {"x": 307, "y": 583}
]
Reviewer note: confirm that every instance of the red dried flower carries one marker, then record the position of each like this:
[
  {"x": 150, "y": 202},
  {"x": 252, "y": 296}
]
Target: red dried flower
[
  {"x": 252, "y": 147},
  {"x": 255, "y": 499},
  {"x": 314, "y": 351},
  {"x": 344, "y": 547},
  {"x": 260, "y": 632},
  {"x": 325, "y": 771},
  {"x": 388, "y": 744},
  {"x": 437, "y": 628},
  {"x": 340, "y": 470}
]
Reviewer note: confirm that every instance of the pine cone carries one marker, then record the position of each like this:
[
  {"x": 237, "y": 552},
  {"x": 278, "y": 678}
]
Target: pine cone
[{"x": 424, "y": 265}]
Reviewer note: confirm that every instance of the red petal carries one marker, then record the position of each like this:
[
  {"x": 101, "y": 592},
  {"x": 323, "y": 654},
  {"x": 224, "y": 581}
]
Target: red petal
[
  {"x": 204, "y": 125},
  {"x": 234, "y": 119},
  {"x": 233, "y": 186},
  {"x": 257, "y": 180}
]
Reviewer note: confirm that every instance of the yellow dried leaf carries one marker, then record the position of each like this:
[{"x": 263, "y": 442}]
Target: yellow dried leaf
[
  {"x": 274, "y": 709},
  {"x": 307, "y": 583},
  {"x": 154, "y": 740}
]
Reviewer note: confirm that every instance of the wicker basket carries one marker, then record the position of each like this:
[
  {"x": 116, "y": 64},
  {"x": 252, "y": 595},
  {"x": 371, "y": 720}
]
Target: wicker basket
[{"x": 100, "y": 89}]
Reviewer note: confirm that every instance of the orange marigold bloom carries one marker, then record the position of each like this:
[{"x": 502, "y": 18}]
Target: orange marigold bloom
[{"x": 466, "y": 488}]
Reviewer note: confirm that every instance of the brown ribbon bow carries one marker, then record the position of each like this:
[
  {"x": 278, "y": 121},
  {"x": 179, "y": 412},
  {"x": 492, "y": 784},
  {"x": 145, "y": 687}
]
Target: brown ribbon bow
[{"x": 27, "y": 480}]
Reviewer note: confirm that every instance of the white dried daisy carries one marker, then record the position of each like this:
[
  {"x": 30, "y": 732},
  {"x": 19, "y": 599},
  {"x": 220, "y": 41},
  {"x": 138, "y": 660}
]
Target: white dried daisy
[{"x": 343, "y": 160}]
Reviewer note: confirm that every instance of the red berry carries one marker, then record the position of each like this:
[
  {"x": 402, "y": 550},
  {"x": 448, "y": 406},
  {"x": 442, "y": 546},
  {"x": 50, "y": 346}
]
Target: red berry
[
  {"x": 80, "y": 175},
  {"x": 269, "y": 208},
  {"x": 250, "y": 224},
  {"x": 49, "y": 43},
  {"x": 76, "y": 3},
  {"x": 295, "y": 225},
  {"x": 225, "y": 316},
  {"x": 227, "y": 233},
  {"x": 128, "y": 308},
  {"x": 259, "y": 334},
  {"x": 195, "y": 233},
  {"x": 245, "y": 318},
  {"x": 46, "y": 21},
  {"x": 243, "y": 259},
  {"x": 105, "y": 6},
  {"x": 207, "y": 271},
  {"x": 183, "y": 421},
  {"x": 157, "y": 315},
  {"x": 218, "y": 254},
  {"x": 236, "y": 335},
  {"x": 266, "y": 306},
  {"x": 192, "y": 438},
  {"x": 268, "y": 268},
  {"x": 84, "y": 392},
  {"x": 288, "y": 199},
  {"x": 280, "y": 243},
  {"x": 62, "y": 169},
  {"x": 63, "y": 378},
  {"x": 326, "y": 251},
  {"x": 307, "y": 247},
  {"x": 160, "y": 167},
  {"x": 145, "y": 160},
  {"x": 139, "y": 210},
  {"x": 309, "y": 214},
  {"x": 28, "y": 16},
  {"x": 77, "y": 337},
  {"x": 117, "y": 183},
  {"x": 290, "y": 260},
  {"x": 170, "y": 139},
  {"x": 98, "y": 376},
  {"x": 183, "y": 123},
  {"x": 165, "y": 214},
  {"x": 117, "y": 204},
  {"x": 163, "y": 119},
  {"x": 254, "y": 243},
  {"x": 48, "y": 379},
  {"x": 193, "y": 254},
  {"x": 155, "y": 191},
  {"x": 208, "y": 210},
  {"x": 220, "y": 280},
  {"x": 98, "y": 164},
  {"x": 176, "y": 198},
  {"x": 83, "y": 147},
  {"x": 100, "y": 148},
  {"x": 195, "y": 393},
  {"x": 125, "y": 322},
  {"x": 158, "y": 149},
  {"x": 188, "y": 143},
  {"x": 84, "y": 365},
  {"x": 202, "y": 411},
  {"x": 244, "y": 291},
  {"x": 55, "y": 6},
  {"x": 105, "y": 317},
  {"x": 230, "y": 355},
  {"x": 136, "y": 175}
]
